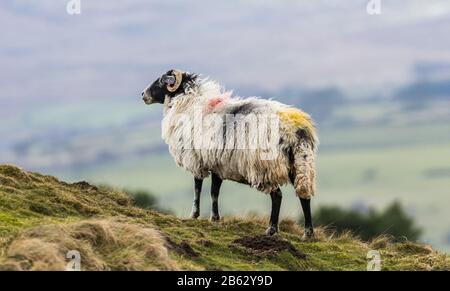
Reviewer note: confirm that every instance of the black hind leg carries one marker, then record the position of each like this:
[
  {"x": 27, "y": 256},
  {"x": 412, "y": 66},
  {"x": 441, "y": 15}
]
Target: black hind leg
[
  {"x": 276, "y": 197},
  {"x": 306, "y": 206},
  {"x": 216, "y": 182}
]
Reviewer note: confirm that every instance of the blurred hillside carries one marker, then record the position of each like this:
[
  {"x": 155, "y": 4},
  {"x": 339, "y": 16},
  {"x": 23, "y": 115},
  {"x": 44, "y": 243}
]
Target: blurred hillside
[{"x": 123, "y": 129}]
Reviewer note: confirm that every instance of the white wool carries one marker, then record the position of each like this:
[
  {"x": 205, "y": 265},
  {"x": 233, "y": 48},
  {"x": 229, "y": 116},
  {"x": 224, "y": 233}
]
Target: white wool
[{"x": 193, "y": 137}]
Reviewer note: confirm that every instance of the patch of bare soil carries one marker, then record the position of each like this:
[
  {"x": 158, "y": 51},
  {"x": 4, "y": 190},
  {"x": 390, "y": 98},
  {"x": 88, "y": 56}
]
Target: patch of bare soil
[
  {"x": 267, "y": 246},
  {"x": 183, "y": 248}
]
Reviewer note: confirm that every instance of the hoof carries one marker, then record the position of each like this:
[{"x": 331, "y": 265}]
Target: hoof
[
  {"x": 215, "y": 218},
  {"x": 194, "y": 215},
  {"x": 308, "y": 235},
  {"x": 271, "y": 230}
]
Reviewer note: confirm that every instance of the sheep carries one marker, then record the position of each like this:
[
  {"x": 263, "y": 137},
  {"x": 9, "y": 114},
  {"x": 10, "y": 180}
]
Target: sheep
[{"x": 197, "y": 125}]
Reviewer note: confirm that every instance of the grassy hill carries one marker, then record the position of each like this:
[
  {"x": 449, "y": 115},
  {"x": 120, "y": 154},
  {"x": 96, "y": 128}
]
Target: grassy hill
[{"x": 42, "y": 218}]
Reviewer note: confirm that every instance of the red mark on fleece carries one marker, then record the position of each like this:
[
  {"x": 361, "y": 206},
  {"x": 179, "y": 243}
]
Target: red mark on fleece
[{"x": 213, "y": 103}]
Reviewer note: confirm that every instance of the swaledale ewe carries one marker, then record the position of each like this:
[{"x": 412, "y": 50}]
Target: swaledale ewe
[{"x": 261, "y": 143}]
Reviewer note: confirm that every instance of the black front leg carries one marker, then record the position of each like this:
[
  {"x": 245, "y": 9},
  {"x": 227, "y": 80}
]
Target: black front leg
[
  {"x": 197, "y": 191},
  {"x": 216, "y": 182},
  {"x": 306, "y": 206},
  {"x": 276, "y": 197}
]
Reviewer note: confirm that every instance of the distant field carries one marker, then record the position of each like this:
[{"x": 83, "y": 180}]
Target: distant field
[{"x": 353, "y": 170}]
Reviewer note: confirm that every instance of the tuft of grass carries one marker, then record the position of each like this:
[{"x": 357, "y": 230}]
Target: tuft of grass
[
  {"x": 41, "y": 218},
  {"x": 108, "y": 244}
]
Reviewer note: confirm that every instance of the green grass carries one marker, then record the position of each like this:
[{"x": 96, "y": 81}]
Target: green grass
[{"x": 94, "y": 220}]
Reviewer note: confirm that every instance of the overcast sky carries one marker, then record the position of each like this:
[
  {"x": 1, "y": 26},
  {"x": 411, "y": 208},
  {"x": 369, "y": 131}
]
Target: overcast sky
[{"x": 114, "y": 48}]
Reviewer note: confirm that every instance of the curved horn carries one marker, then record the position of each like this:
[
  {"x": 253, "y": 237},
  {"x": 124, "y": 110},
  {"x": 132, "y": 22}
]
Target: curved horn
[
  {"x": 178, "y": 77},
  {"x": 167, "y": 80}
]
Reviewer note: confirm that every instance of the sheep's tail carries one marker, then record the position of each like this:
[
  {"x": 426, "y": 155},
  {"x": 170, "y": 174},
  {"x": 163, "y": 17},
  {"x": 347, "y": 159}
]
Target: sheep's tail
[
  {"x": 304, "y": 174},
  {"x": 302, "y": 153}
]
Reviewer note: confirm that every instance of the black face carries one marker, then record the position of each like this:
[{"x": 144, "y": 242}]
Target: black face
[{"x": 159, "y": 89}]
